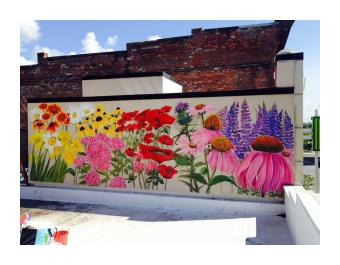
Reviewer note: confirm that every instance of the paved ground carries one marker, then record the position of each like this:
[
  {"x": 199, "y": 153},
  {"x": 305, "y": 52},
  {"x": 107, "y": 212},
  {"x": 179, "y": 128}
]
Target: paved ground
[{"x": 99, "y": 224}]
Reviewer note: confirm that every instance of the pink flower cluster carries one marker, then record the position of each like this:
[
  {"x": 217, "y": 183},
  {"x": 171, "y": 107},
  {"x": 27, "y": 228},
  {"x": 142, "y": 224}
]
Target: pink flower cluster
[
  {"x": 150, "y": 166},
  {"x": 118, "y": 182},
  {"x": 92, "y": 178},
  {"x": 138, "y": 164},
  {"x": 99, "y": 151}
]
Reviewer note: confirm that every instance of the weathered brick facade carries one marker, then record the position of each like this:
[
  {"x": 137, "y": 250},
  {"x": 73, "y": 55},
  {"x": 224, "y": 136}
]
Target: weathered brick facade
[{"x": 211, "y": 59}]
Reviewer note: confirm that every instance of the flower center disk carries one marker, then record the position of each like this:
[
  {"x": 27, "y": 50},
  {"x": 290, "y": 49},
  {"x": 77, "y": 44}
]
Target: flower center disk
[
  {"x": 213, "y": 122},
  {"x": 267, "y": 144},
  {"x": 200, "y": 106},
  {"x": 221, "y": 144}
]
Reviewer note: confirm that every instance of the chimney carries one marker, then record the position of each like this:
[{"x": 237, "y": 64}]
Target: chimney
[
  {"x": 41, "y": 56},
  {"x": 196, "y": 31}
]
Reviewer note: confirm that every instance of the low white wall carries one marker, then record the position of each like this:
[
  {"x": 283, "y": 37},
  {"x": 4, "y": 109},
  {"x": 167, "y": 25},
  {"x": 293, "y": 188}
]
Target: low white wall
[
  {"x": 302, "y": 215},
  {"x": 154, "y": 201}
]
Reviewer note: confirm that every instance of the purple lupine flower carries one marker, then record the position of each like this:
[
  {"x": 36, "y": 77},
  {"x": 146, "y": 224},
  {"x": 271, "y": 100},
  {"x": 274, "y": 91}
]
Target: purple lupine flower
[
  {"x": 246, "y": 129},
  {"x": 275, "y": 122},
  {"x": 181, "y": 106},
  {"x": 233, "y": 131},
  {"x": 278, "y": 127},
  {"x": 257, "y": 125},
  {"x": 288, "y": 132},
  {"x": 230, "y": 120},
  {"x": 223, "y": 116},
  {"x": 265, "y": 129}
]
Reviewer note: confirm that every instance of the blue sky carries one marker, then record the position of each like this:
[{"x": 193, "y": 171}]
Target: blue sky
[{"x": 74, "y": 37}]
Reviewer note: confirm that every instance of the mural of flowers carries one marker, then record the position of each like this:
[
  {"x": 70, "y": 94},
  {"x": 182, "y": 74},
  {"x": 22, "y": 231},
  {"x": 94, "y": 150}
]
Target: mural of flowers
[
  {"x": 53, "y": 151},
  {"x": 197, "y": 145}
]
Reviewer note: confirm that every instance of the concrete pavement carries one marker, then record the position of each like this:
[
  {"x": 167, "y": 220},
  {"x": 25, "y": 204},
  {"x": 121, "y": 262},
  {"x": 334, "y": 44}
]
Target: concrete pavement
[{"x": 98, "y": 224}]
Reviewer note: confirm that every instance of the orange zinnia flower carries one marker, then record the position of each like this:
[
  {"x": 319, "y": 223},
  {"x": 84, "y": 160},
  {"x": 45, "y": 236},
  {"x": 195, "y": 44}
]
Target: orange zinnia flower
[
  {"x": 54, "y": 109},
  {"x": 52, "y": 127},
  {"x": 68, "y": 119},
  {"x": 43, "y": 106},
  {"x": 61, "y": 117},
  {"x": 39, "y": 124},
  {"x": 46, "y": 116}
]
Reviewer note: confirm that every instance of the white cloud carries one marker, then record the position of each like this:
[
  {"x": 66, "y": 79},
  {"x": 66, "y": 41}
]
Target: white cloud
[
  {"x": 154, "y": 37},
  {"x": 72, "y": 53},
  {"x": 51, "y": 52},
  {"x": 112, "y": 41},
  {"x": 91, "y": 45},
  {"x": 29, "y": 31},
  {"x": 24, "y": 61}
]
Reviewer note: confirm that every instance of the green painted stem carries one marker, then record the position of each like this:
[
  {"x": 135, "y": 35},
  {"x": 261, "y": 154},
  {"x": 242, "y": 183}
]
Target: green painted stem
[
  {"x": 206, "y": 163},
  {"x": 140, "y": 182}
]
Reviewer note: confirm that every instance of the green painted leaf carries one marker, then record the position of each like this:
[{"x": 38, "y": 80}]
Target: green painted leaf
[
  {"x": 221, "y": 178},
  {"x": 199, "y": 164},
  {"x": 182, "y": 161},
  {"x": 184, "y": 176},
  {"x": 85, "y": 169},
  {"x": 203, "y": 170},
  {"x": 82, "y": 182},
  {"x": 199, "y": 178},
  {"x": 122, "y": 154},
  {"x": 104, "y": 173},
  {"x": 71, "y": 171},
  {"x": 187, "y": 183}
]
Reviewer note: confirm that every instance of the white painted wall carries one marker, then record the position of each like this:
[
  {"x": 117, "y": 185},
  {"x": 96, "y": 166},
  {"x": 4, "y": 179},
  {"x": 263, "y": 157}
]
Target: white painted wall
[
  {"x": 170, "y": 86},
  {"x": 129, "y": 86},
  {"x": 289, "y": 73},
  {"x": 302, "y": 215}
]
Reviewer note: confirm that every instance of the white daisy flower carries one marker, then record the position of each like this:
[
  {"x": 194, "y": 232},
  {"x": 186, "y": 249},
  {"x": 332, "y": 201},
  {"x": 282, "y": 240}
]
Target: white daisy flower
[
  {"x": 76, "y": 114},
  {"x": 87, "y": 108},
  {"x": 51, "y": 140},
  {"x": 35, "y": 114}
]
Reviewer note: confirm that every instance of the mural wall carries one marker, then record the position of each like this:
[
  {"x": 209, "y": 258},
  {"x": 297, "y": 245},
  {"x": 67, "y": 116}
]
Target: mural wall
[{"x": 227, "y": 146}]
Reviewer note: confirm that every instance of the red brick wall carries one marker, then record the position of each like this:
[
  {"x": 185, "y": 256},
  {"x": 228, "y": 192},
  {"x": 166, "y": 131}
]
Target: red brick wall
[{"x": 213, "y": 59}]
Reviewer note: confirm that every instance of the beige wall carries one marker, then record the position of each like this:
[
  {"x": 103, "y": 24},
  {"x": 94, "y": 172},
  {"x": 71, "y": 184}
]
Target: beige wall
[{"x": 129, "y": 86}]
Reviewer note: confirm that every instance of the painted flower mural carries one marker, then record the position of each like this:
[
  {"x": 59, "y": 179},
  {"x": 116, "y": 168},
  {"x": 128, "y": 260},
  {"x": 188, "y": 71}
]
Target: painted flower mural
[{"x": 199, "y": 146}]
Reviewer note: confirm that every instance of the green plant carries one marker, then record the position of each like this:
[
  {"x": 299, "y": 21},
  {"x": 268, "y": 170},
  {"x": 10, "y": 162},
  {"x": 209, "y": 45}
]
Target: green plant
[{"x": 308, "y": 182}]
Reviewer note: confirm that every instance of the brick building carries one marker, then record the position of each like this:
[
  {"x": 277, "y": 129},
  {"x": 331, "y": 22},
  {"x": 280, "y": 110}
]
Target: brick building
[{"x": 211, "y": 59}]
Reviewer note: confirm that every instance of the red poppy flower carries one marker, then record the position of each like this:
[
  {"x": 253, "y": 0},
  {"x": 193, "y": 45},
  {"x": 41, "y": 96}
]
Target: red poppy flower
[
  {"x": 166, "y": 108},
  {"x": 128, "y": 116},
  {"x": 142, "y": 116},
  {"x": 167, "y": 171},
  {"x": 61, "y": 117},
  {"x": 130, "y": 152},
  {"x": 165, "y": 139},
  {"x": 54, "y": 109},
  {"x": 46, "y": 116},
  {"x": 148, "y": 138},
  {"x": 155, "y": 153},
  {"x": 132, "y": 127},
  {"x": 52, "y": 127},
  {"x": 162, "y": 117},
  {"x": 42, "y": 106},
  {"x": 39, "y": 124},
  {"x": 157, "y": 118}
]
